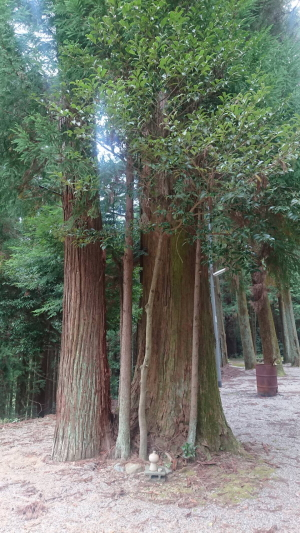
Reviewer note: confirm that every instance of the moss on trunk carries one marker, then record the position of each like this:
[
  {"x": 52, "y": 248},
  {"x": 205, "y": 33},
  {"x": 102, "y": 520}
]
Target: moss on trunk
[
  {"x": 169, "y": 375},
  {"x": 213, "y": 432}
]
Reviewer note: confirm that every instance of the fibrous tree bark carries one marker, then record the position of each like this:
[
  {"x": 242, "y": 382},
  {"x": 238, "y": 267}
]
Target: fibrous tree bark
[
  {"x": 267, "y": 330},
  {"x": 195, "y": 349},
  {"x": 123, "y": 440},
  {"x": 168, "y": 381},
  {"x": 148, "y": 350},
  {"x": 284, "y": 331},
  {"x": 169, "y": 375},
  {"x": 290, "y": 333},
  {"x": 245, "y": 328},
  {"x": 83, "y": 402},
  {"x": 221, "y": 325},
  {"x": 213, "y": 432}
]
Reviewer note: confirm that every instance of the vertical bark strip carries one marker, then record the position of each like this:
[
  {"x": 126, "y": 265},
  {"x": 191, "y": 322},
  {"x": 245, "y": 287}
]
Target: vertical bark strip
[
  {"x": 148, "y": 352},
  {"x": 123, "y": 440},
  {"x": 267, "y": 330},
  {"x": 289, "y": 321},
  {"x": 168, "y": 396},
  {"x": 195, "y": 349},
  {"x": 284, "y": 331},
  {"x": 83, "y": 403},
  {"x": 169, "y": 374},
  {"x": 221, "y": 325},
  {"x": 213, "y": 432},
  {"x": 245, "y": 328}
]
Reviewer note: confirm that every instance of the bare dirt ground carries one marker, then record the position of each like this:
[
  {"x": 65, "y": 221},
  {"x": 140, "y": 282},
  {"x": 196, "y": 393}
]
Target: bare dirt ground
[{"x": 257, "y": 493}]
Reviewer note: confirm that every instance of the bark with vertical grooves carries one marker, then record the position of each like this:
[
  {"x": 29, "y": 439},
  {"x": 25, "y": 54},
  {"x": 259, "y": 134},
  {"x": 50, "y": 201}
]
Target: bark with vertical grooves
[
  {"x": 253, "y": 325},
  {"x": 213, "y": 432},
  {"x": 288, "y": 313},
  {"x": 245, "y": 328},
  {"x": 123, "y": 440},
  {"x": 285, "y": 335},
  {"x": 83, "y": 402},
  {"x": 169, "y": 376},
  {"x": 267, "y": 330},
  {"x": 221, "y": 325},
  {"x": 148, "y": 351},
  {"x": 195, "y": 349}
]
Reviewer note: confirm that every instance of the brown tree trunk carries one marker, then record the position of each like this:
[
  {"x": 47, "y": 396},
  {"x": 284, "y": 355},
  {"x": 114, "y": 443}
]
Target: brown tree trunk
[
  {"x": 149, "y": 309},
  {"x": 44, "y": 398},
  {"x": 284, "y": 331},
  {"x": 245, "y": 328},
  {"x": 169, "y": 375},
  {"x": 83, "y": 403},
  {"x": 267, "y": 330},
  {"x": 220, "y": 318},
  {"x": 213, "y": 432},
  {"x": 195, "y": 350},
  {"x": 123, "y": 440},
  {"x": 288, "y": 313},
  {"x": 253, "y": 325}
]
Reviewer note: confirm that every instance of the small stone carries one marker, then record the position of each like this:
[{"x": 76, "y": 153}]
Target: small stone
[
  {"x": 119, "y": 468},
  {"x": 133, "y": 468}
]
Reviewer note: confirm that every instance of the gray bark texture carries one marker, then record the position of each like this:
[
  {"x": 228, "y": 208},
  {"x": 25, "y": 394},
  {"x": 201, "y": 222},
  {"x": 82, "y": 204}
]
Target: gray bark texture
[
  {"x": 291, "y": 332},
  {"x": 245, "y": 328}
]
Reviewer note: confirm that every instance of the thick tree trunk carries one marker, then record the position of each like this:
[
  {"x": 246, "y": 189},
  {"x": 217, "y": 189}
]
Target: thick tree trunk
[
  {"x": 148, "y": 351},
  {"x": 123, "y": 440},
  {"x": 267, "y": 330},
  {"x": 288, "y": 314},
  {"x": 221, "y": 326},
  {"x": 245, "y": 328},
  {"x": 169, "y": 375},
  {"x": 213, "y": 432},
  {"x": 83, "y": 403},
  {"x": 195, "y": 350}
]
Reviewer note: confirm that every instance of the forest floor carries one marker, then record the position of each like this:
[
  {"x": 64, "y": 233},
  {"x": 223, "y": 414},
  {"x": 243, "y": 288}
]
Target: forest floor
[{"x": 255, "y": 493}]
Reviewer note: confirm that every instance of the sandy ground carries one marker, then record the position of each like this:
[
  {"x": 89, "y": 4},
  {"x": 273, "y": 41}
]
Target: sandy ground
[{"x": 259, "y": 493}]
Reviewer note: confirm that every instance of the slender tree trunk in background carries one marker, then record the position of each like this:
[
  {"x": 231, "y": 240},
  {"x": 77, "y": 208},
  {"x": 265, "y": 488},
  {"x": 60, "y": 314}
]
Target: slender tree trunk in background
[
  {"x": 221, "y": 325},
  {"x": 55, "y": 368},
  {"x": 123, "y": 440},
  {"x": 20, "y": 406},
  {"x": 195, "y": 349},
  {"x": 148, "y": 351},
  {"x": 245, "y": 329},
  {"x": 253, "y": 325},
  {"x": 213, "y": 432},
  {"x": 285, "y": 336},
  {"x": 288, "y": 313},
  {"x": 231, "y": 336},
  {"x": 40, "y": 395},
  {"x": 169, "y": 375},
  {"x": 83, "y": 402},
  {"x": 267, "y": 330},
  {"x": 44, "y": 398}
]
